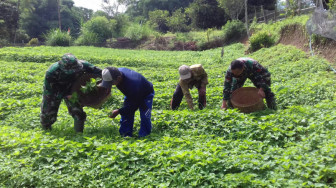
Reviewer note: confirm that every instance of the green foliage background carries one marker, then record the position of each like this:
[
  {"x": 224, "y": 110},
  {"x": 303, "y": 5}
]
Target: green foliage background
[{"x": 292, "y": 147}]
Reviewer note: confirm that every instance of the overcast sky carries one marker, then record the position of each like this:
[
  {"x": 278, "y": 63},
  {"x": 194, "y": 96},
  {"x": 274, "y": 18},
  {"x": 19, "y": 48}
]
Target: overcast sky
[
  {"x": 95, "y": 4},
  {"x": 91, "y": 4}
]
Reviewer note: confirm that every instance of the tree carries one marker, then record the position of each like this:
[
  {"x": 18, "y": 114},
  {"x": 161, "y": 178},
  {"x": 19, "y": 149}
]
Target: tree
[
  {"x": 267, "y": 4},
  {"x": 201, "y": 16},
  {"x": 101, "y": 27},
  {"x": 332, "y": 5},
  {"x": 158, "y": 19},
  {"x": 59, "y": 15},
  {"x": 9, "y": 16},
  {"x": 111, "y": 7},
  {"x": 143, "y": 7},
  {"x": 178, "y": 22},
  {"x": 232, "y": 7},
  {"x": 44, "y": 17}
]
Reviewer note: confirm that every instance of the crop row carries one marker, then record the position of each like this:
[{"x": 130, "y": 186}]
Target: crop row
[{"x": 291, "y": 147}]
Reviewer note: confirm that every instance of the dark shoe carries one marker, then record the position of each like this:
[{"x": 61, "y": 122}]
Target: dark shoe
[
  {"x": 46, "y": 127},
  {"x": 271, "y": 104},
  {"x": 79, "y": 126}
]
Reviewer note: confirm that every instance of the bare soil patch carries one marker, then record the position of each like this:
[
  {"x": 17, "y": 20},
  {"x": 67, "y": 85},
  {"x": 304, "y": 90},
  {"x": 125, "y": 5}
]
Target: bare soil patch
[{"x": 296, "y": 35}]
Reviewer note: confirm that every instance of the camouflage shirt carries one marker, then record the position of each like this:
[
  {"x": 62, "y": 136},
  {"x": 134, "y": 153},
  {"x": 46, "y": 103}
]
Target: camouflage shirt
[
  {"x": 199, "y": 78},
  {"x": 58, "y": 81},
  {"x": 252, "y": 70}
]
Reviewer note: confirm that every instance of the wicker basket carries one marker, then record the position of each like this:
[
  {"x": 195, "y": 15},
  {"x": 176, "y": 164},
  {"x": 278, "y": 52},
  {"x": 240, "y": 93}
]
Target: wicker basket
[
  {"x": 247, "y": 100},
  {"x": 93, "y": 99}
]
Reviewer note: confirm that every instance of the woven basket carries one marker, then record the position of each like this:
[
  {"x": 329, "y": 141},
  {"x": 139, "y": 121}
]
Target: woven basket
[
  {"x": 247, "y": 100},
  {"x": 93, "y": 99}
]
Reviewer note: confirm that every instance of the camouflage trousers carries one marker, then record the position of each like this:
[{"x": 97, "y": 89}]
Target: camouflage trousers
[
  {"x": 269, "y": 95},
  {"x": 49, "y": 109}
]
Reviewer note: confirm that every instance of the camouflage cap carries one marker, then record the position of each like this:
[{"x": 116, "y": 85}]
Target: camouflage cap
[{"x": 69, "y": 61}]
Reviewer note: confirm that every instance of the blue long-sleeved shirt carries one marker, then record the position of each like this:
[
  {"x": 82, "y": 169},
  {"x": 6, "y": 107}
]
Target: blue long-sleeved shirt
[{"x": 135, "y": 87}]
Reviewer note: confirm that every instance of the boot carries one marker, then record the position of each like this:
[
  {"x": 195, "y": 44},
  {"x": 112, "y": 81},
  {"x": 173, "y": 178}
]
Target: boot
[
  {"x": 201, "y": 102},
  {"x": 79, "y": 125},
  {"x": 46, "y": 127},
  {"x": 271, "y": 104}
]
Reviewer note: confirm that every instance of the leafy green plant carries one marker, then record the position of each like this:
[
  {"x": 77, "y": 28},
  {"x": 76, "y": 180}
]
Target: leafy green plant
[
  {"x": 87, "y": 39},
  {"x": 137, "y": 32},
  {"x": 261, "y": 40},
  {"x": 90, "y": 86},
  {"x": 3, "y": 42},
  {"x": 33, "y": 41},
  {"x": 58, "y": 38},
  {"x": 233, "y": 31},
  {"x": 97, "y": 29},
  {"x": 74, "y": 98},
  {"x": 291, "y": 147}
]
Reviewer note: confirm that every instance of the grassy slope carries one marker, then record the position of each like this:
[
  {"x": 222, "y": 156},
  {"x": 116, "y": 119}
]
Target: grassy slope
[{"x": 275, "y": 28}]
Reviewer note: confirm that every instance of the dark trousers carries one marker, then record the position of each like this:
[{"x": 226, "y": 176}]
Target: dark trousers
[
  {"x": 127, "y": 121},
  {"x": 178, "y": 96}
]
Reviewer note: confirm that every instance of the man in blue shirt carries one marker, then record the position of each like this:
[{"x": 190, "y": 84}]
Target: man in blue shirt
[{"x": 138, "y": 93}]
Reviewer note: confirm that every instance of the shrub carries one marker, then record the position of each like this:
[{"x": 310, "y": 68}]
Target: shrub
[
  {"x": 33, "y": 41},
  {"x": 233, "y": 31},
  {"x": 260, "y": 40},
  {"x": 178, "y": 22},
  {"x": 3, "y": 42},
  {"x": 58, "y": 38},
  {"x": 100, "y": 27},
  {"x": 87, "y": 38},
  {"x": 137, "y": 32},
  {"x": 159, "y": 20}
]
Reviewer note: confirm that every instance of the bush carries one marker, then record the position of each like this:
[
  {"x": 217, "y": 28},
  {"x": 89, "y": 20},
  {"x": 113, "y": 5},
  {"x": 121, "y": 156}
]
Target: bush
[
  {"x": 99, "y": 28},
  {"x": 137, "y": 32},
  {"x": 33, "y": 41},
  {"x": 58, "y": 38},
  {"x": 3, "y": 42},
  {"x": 87, "y": 38},
  {"x": 233, "y": 31},
  {"x": 158, "y": 19},
  {"x": 178, "y": 22},
  {"x": 260, "y": 40}
]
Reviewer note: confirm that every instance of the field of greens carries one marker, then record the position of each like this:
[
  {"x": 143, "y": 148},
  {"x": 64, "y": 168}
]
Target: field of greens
[{"x": 294, "y": 146}]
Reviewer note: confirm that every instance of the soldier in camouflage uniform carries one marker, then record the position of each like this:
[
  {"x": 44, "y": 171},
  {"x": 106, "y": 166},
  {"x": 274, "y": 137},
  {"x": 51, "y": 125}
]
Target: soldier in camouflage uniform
[
  {"x": 58, "y": 81},
  {"x": 194, "y": 75},
  {"x": 241, "y": 69}
]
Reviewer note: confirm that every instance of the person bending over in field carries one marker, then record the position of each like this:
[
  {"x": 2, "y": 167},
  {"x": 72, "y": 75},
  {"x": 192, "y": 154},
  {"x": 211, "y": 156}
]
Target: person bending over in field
[
  {"x": 58, "y": 81},
  {"x": 241, "y": 69},
  {"x": 194, "y": 75},
  {"x": 139, "y": 94}
]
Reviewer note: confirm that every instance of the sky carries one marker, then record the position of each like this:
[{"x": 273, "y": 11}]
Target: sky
[
  {"x": 90, "y": 4},
  {"x": 94, "y": 4}
]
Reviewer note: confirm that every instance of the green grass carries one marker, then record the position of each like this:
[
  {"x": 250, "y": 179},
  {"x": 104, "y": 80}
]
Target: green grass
[
  {"x": 292, "y": 147},
  {"x": 275, "y": 28}
]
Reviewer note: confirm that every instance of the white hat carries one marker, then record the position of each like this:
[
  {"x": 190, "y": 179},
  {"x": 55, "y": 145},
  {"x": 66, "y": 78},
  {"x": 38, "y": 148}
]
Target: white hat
[
  {"x": 109, "y": 75},
  {"x": 185, "y": 72}
]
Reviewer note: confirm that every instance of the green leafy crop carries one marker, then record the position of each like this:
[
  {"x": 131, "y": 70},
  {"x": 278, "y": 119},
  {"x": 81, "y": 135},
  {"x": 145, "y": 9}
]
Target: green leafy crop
[
  {"x": 90, "y": 86},
  {"x": 294, "y": 146}
]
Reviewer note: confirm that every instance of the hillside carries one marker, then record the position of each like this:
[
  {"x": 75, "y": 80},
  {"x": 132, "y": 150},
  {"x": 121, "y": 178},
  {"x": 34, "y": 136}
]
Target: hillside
[
  {"x": 291, "y": 147},
  {"x": 291, "y": 31}
]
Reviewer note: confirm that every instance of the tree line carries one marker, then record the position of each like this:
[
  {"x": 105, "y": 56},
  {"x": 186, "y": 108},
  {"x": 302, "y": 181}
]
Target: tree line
[{"x": 22, "y": 20}]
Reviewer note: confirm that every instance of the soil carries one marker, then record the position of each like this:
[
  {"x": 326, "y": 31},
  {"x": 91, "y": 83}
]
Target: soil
[{"x": 297, "y": 36}]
